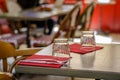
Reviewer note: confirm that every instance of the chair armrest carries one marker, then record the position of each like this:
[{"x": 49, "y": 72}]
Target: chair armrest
[
  {"x": 23, "y": 53},
  {"x": 27, "y": 51},
  {"x": 15, "y": 63}
]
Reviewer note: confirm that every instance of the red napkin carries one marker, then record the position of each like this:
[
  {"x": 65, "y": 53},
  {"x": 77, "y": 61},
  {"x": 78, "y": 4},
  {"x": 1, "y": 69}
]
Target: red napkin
[
  {"x": 77, "y": 48},
  {"x": 44, "y": 57}
]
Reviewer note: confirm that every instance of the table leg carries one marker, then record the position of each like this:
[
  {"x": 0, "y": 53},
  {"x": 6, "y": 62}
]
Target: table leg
[{"x": 28, "y": 35}]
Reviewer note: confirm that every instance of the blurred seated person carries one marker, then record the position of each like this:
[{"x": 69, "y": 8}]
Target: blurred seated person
[{"x": 26, "y": 4}]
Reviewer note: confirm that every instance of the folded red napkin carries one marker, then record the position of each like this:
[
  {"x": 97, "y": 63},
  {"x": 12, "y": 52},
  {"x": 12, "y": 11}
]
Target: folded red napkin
[
  {"x": 77, "y": 48},
  {"x": 44, "y": 61}
]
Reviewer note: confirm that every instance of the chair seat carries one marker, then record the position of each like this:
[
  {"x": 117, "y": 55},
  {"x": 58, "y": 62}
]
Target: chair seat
[
  {"x": 6, "y": 76},
  {"x": 7, "y": 51}
]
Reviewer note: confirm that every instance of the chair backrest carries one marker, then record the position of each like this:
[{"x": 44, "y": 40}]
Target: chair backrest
[
  {"x": 6, "y": 50},
  {"x": 68, "y": 24},
  {"x": 85, "y": 18}
]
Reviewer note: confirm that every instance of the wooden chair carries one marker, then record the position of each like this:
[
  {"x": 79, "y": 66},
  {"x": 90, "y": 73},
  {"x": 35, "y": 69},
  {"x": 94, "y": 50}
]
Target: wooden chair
[
  {"x": 85, "y": 18},
  {"x": 6, "y": 76},
  {"x": 69, "y": 23},
  {"x": 6, "y": 51},
  {"x": 66, "y": 28}
]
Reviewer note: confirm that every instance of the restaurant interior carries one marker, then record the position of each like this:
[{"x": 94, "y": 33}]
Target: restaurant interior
[{"x": 30, "y": 26}]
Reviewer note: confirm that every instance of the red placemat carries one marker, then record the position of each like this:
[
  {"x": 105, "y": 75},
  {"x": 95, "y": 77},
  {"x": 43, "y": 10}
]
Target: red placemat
[
  {"x": 47, "y": 58},
  {"x": 77, "y": 48}
]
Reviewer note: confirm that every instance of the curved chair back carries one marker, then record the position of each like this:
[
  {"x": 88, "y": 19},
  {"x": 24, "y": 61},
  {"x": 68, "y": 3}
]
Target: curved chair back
[
  {"x": 6, "y": 50},
  {"x": 85, "y": 18},
  {"x": 68, "y": 24},
  {"x": 66, "y": 29}
]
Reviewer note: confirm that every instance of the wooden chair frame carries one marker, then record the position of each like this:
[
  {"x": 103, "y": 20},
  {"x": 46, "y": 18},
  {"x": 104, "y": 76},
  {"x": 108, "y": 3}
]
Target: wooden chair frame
[
  {"x": 85, "y": 18},
  {"x": 69, "y": 25},
  {"x": 7, "y": 50}
]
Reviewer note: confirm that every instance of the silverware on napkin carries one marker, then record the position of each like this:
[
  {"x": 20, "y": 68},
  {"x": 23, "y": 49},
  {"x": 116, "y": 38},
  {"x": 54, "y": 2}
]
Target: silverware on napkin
[{"x": 44, "y": 61}]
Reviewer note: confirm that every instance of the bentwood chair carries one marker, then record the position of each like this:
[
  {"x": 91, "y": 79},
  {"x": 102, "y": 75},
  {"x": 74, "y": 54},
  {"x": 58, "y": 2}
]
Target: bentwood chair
[
  {"x": 6, "y": 51},
  {"x": 66, "y": 29},
  {"x": 85, "y": 18},
  {"x": 69, "y": 23}
]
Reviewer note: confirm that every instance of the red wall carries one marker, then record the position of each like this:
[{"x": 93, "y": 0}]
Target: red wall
[
  {"x": 3, "y": 5},
  {"x": 107, "y": 17}
]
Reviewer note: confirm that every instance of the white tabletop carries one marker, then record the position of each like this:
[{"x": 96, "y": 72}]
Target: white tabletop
[
  {"x": 105, "y": 63},
  {"x": 32, "y": 14}
]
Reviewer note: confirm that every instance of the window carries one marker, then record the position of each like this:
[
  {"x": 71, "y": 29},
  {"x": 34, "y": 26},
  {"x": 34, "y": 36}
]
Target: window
[
  {"x": 106, "y": 1},
  {"x": 101, "y": 1}
]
